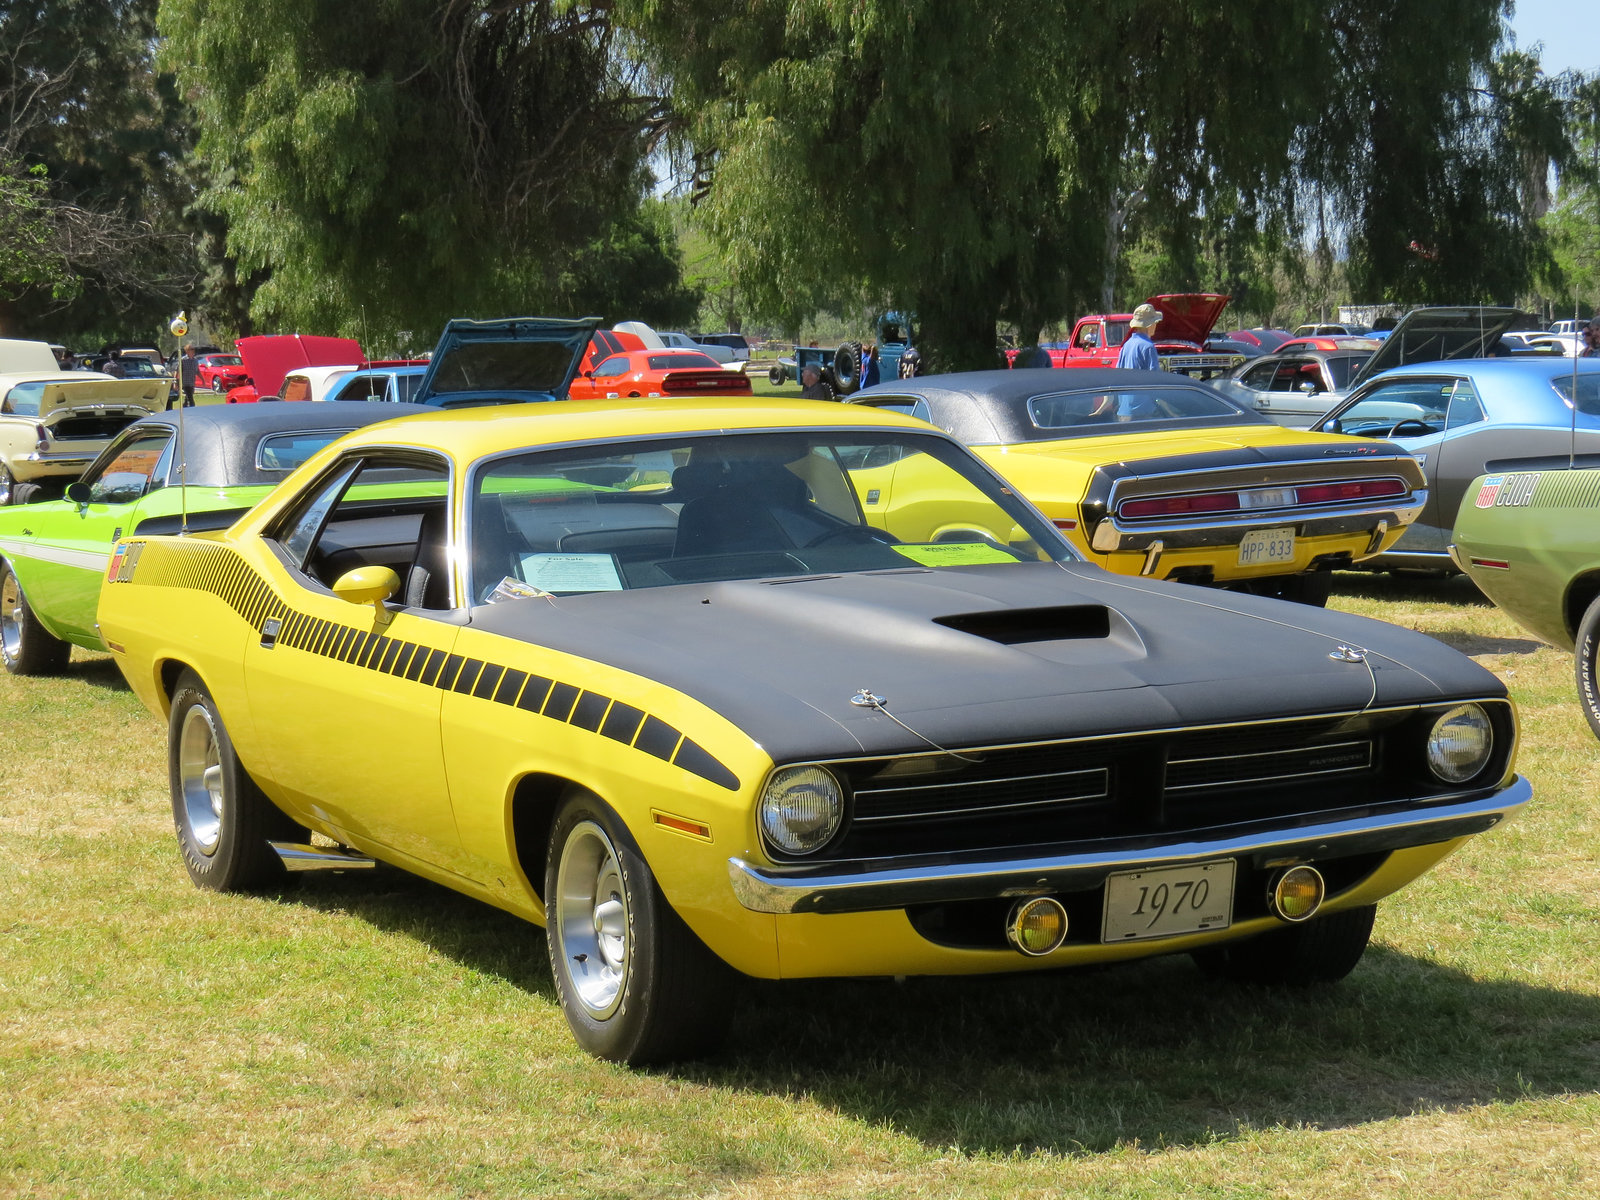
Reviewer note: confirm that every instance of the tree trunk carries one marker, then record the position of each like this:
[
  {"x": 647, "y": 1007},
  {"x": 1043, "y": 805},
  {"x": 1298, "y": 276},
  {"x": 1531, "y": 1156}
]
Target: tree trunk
[{"x": 957, "y": 336}]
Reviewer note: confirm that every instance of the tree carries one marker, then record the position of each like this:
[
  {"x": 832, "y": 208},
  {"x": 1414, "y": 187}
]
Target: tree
[
  {"x": 427, "y": 159},
  {"x": 94, "y": 135},
  {"x": 970, "y": 162}
]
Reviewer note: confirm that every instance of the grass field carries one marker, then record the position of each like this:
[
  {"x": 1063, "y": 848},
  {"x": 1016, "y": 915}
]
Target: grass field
[{"x": 377, "y": 1036}]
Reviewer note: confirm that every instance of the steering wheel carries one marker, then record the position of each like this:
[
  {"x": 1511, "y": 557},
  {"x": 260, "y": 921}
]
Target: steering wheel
[
  {"x": 854, "y": 533},
  {"x": 1419, "y": 428}
]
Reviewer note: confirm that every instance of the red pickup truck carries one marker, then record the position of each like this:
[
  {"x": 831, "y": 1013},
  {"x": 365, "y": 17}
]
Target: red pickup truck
[{"x": 1186, "y": 321}]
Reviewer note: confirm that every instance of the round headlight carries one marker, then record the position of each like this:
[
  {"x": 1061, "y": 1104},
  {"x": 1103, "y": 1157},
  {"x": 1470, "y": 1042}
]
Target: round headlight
[
  {"x": 1459, "y": 746},
  {"x": 801, "y": 808}
]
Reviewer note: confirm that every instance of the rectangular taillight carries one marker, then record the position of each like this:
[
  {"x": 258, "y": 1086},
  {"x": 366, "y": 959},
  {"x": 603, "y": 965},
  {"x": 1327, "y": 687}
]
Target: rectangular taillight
[
  {"x": 1354, "y": 489},
  {"x": 1197, "y": 503},
  {"x": 1181, "y": 506}
]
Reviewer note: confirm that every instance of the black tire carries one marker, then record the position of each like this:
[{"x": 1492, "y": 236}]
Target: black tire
[
  {"x": 646, "y": 990},
  {"x": 1585, "y": 659},
  {"x": 26, "y": 647},
  {"x": 776, "y": 376},
  {"x": 847, "y": 368},
  {"x": 1322, "y": 951},
  {"x": 26, "y": 493},
  {"x": 224, "y": 822}
]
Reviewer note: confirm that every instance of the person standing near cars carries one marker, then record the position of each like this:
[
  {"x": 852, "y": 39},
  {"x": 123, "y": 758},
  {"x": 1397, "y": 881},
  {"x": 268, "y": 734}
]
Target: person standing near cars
[
  {"x": 1591, "y": 340},
  {"x": 188, "y": 374},
  {"x": 1139, "y": 351}
]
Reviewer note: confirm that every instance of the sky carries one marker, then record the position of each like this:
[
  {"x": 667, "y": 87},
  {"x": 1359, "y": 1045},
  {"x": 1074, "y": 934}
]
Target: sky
[{"x": 1570, "y": 33}]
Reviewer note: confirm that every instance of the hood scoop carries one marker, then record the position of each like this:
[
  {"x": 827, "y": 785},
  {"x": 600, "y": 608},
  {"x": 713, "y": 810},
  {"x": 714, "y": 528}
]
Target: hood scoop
[{"x": 1023, "y": 626}]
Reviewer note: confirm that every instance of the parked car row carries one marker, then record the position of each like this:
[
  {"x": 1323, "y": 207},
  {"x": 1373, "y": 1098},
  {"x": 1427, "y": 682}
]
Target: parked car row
[{"x": 714, "y": 689}]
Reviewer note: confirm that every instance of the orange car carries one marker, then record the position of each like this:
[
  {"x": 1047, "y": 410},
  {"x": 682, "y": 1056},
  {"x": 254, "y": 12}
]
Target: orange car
[{"x": 658, "y": 373}]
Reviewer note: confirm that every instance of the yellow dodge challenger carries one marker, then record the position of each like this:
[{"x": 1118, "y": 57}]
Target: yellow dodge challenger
[
  {"x": 694, "y": 688},
  {"x": 1150, "y": 473}
]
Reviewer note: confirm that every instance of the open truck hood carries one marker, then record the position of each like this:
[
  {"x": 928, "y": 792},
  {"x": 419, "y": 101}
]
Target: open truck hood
[
  {"x": 1439, "y": 334},
  {"x": 517, "y": 360},
  {"x": 269, "y": 357},
  {"x": 1189, "y": 317}
]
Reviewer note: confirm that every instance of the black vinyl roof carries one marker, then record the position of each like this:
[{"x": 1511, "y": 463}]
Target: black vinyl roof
[{"x": 220, "y": 440}]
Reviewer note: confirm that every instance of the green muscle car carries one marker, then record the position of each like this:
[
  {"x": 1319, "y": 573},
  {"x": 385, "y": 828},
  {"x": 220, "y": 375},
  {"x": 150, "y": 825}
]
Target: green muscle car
[
  {"x": 1531, "y": 541},
  {"x": 159, "y": 476}
]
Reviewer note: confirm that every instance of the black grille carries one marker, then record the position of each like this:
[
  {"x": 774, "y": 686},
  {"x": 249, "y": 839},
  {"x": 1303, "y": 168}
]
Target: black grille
[{"x": 1159, "y": 784}]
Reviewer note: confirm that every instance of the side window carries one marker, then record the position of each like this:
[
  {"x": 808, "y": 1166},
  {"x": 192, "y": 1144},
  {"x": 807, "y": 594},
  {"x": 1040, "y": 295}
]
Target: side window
[
  {"x": 611, "y": 366},
  {"x": 384, "y": 510},
  {"x": 1089, "y": 337},
  {"x": 907, "y": 406},
  {"x": 128, "y": 476},
  {"x": 1259, "y": 377},
  {"x": 1465, "y": 407}
]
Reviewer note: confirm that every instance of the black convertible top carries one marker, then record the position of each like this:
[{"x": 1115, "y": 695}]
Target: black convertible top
[
  {"x": 220, "y": 440},
  {"x": 991, "y": 407}
]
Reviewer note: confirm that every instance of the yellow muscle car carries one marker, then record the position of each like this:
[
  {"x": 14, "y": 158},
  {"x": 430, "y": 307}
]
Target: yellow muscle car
[
  {"x": 1154, "y": 474},
  {"x": 695, "y": 688}
]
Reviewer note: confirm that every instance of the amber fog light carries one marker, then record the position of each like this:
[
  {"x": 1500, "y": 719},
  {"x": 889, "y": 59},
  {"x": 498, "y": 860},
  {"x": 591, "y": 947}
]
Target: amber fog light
[
  {"x": 1297, "y": 893},
  {"x": 1459, "y": 745},
  {"x": 801, "y": 808},
  {"x": 1036, "y": 926}
]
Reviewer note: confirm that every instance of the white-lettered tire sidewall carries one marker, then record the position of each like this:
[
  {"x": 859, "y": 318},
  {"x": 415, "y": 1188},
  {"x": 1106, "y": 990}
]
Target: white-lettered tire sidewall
[
  {"x": 620, "y": 1036},
  {"x": 1586, "y": 665}
]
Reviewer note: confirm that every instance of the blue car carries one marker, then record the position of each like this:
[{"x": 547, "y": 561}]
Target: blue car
[
  {"x": 391, "y": 384},
  {"x": 1469, "y": 417}
]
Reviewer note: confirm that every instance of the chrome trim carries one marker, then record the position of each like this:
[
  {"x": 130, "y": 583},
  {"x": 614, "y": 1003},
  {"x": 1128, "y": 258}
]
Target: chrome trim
[
  {"x": 58, "y": 459},
  {"x": 297, "y": 856},
  {"x": 880, "y": 884},
  {"x": 1157, "y": 731},
  {"x": 1376, "y": 542},
  {"x": 1241, "y": 781},
  {"x": 1230, "y": 529},
  {"x": 1152, "y": 557},
  {"x": 1003, "y": 780},
  {"x": 1456, "y": 557}
]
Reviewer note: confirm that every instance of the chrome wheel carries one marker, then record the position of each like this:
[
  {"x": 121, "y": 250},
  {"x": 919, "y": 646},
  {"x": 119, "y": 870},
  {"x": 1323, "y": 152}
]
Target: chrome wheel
[
  {"x": 200, "y": 779},
  {"x": 593, "y": 919},
  {"x": 11, "y": 612},
  {"x": 5, "y": 486}
]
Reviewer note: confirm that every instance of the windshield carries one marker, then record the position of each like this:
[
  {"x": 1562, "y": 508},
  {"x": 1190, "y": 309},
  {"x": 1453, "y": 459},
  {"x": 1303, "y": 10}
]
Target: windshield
[{"x": 752, "y": 506}]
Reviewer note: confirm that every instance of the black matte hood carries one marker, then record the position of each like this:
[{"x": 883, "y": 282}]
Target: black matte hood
[{"x": 988, "y": 654}]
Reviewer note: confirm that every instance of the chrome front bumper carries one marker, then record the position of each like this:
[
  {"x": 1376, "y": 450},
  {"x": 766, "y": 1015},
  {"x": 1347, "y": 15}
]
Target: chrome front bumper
[{"x": 890, "y": 884}]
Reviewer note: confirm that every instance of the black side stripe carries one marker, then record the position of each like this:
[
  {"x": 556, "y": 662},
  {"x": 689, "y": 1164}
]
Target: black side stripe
[{"x": 220, "y": 571}]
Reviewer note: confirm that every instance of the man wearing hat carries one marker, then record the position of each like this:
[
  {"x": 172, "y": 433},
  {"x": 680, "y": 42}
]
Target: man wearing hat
[{"x": 1139, "y": 352}]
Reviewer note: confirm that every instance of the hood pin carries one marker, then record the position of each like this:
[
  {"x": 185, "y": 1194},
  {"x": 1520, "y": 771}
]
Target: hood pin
[
  {"x": 1349, "y": 654},
  {"x": 865, "y": 699}
]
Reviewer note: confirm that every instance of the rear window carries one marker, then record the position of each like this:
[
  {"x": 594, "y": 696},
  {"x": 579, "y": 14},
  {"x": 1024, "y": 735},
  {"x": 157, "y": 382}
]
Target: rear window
[
  {"x": 1342, "y": 369},
  {"x": 23, "y": 400},
  {"x": 286, "y": 451},
  {"x": 674, "y": 362},
  {"x": 1069, "y": 410}
]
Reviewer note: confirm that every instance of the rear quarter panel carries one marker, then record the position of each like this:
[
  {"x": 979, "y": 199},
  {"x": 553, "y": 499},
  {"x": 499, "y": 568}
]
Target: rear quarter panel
[{"x": 1545, "y": 527}]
